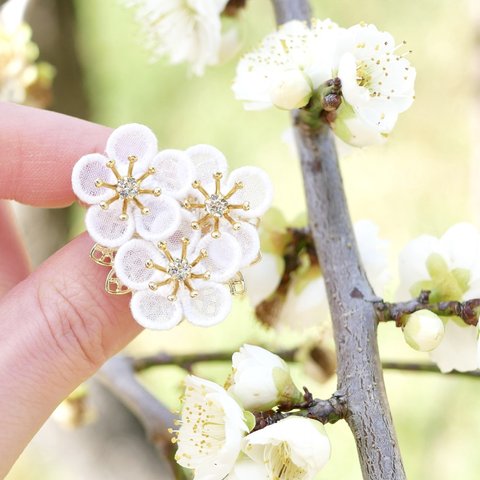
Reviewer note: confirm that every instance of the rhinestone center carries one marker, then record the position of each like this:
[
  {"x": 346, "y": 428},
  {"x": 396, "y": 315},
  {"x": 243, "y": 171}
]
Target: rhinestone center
[
  {"x": 216, "y": 205},
  {"x": 179, "y": 269},
  {"x": 127, "y": 187}
]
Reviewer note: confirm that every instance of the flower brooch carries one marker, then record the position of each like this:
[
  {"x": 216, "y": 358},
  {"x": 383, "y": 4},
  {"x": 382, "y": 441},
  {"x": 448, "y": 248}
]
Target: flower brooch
[{"x": 173, "y": 226}]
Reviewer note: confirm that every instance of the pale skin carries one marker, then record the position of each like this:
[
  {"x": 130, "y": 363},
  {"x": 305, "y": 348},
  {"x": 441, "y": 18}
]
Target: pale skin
[{"x": 58, "y": 326}]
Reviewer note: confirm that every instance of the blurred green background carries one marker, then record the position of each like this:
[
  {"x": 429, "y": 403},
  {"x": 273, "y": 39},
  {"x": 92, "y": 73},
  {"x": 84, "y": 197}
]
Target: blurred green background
[{"x": 419, "y": 182}]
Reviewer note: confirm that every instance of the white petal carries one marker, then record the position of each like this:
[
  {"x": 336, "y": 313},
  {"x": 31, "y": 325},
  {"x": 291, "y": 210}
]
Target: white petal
[
  {"x": 174, "y": 241},
  {"x": 174, "y": 173},
  {"x": 458, "y": 350},
  {"x": 462, "y": 242},
  {"x": 263, "y": 278},
  {"x": 248, "y": 240},
  {"x": 105, "y": 226},
  {"x": 130, "y": 263},
  {"x": 152, "y": 310},
  {"x": 224, "y": 255},
  {"x": 88, "y": 169},
  {"x": 257, "y": 190},
  {"x": 347, "y": 72},
  {"x": 246, "y": 469},
  {"x": 211, "y": 306},
  {"x": 163, "y": 219},
  {"x": 132, "y": 139},
  {"x": 207, "y": 160}
]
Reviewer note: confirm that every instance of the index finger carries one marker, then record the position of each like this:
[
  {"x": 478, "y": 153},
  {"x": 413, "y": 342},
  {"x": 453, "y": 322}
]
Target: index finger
[{"x": 38, "y": 151}]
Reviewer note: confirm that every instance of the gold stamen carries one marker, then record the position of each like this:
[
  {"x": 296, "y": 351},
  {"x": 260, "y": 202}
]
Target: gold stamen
[
  {"x": 113, "y": 168},
  {"x": 105, "y": 205}
]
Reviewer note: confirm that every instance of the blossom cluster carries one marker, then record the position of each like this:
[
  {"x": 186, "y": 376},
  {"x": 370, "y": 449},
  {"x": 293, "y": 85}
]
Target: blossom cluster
[
  {"x": 22, "y": 79},
  {"x": 218, "y": 437},
  {"x": 186, "y": 31},
  {"x": 305, "y": 302},
  {"x": 353, "y": 77},
  {"x": 449, "y": 268},
  {"x": 179, "y": 226}
]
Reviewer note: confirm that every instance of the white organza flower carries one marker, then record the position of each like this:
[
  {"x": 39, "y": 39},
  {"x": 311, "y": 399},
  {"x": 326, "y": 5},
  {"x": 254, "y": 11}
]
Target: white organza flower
[
  {"x": 228, "y": 204},
  {"x": 287, "y": 67},
  {"x": 132, "y": 188},
  {"x": 212, "y": 428},
  {"x": 306, "y": 303},
  {"x": 449, "y": 267},
  {"x": 180, "y": 279},
  {"x": 294, "y": 448},
  {"x": 377, "y": 85},
  {"x": 184, "y": 30},
  {"x": 261, "y": 380}
]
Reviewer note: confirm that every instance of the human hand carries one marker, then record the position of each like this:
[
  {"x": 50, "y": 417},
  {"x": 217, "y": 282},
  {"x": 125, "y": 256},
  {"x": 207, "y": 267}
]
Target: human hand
[{"x": 58, "y": 326}]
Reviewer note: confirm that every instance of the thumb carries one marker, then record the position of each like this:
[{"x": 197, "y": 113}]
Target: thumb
[{"x": 58, "y": 327}]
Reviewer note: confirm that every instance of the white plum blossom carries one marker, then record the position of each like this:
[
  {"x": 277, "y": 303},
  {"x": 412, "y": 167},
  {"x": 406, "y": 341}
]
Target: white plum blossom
[
  {"x": 377, "y": 85},
  {"x": 293, "y": 448},
  {"x": 185, "y": 30},
  {"x": 263, "y": 277},
  {"x": 261, "y": 380},
  {"x": 132, "y": 189},
  {"x": 423, "y": 330},
  {"x": 294, "y": 68},
  {"x": 247, "y": 469},
  {"x": 449, "y": 267},
  {"x": 306, "y": 303},
  {"x": 22, "y": 80},
  {"x": 286, "y": 68},
  {"x": 211, "y": 432},
  {"x": 183, "y": 278},
  {"x": 225, "y": 203}
]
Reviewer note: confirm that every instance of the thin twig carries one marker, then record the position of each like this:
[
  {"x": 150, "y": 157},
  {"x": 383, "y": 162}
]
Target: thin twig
[
  {"x": 427, "y": 368},
  {"x": 468, "y": 311},
  {"x": 118, "y": 375}
]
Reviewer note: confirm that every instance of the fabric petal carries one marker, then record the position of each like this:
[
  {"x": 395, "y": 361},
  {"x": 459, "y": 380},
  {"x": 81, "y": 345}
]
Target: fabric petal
[
  {"x": 86, "y": 171},
  {"x": 105, "y": 226},
  {"x": 223, "y": 256},
  {"x": 211, "y": 306},
  {"x": 257, "y": 190},
  {"x": 130, "y": 263},
  {"x": 154, "y": 311},
  {"x": 163, "y": 219},
  {"x": 184, "y": 230},
  {"x": 132, "y": 139},
  {"x": 248, "y": 240},
  {"x": 207, "y": 160},
  {"x": 174, "y": 173}
]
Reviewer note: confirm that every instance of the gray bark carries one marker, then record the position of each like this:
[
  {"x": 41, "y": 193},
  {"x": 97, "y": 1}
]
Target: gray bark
[{"x": 360, "y": 376}]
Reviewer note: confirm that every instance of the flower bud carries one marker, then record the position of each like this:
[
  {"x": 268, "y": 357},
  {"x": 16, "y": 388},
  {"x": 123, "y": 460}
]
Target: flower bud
[
  {"x": 291, "y": 90},
  {"x": 424, "y": 330},
  {"x": 261, "y": 380}
]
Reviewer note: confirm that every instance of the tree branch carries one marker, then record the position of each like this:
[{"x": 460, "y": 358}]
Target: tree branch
[
  {"x": 468, "y": 311},
  {"x": 427, "y": 368},
  {"x": 354, "y": 317},
  {"x": 118, "y": 375}
]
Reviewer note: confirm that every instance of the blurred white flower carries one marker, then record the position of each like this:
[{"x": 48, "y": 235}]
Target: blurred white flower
[
  {"x": 449, "y": 267},
  {"x": 21, "y": 79},
  {"x": 286, "y": 68},
  {"x": 306, "y": 303},
  {"x": 261, "y": 380},
  {"x": 423, "y": 330},
  {"x": 185, "y": 30},
  {"x": 294, "y": 448},
  {"x": 262, "y": 278},
  {"x": 211, "y": 431}
]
